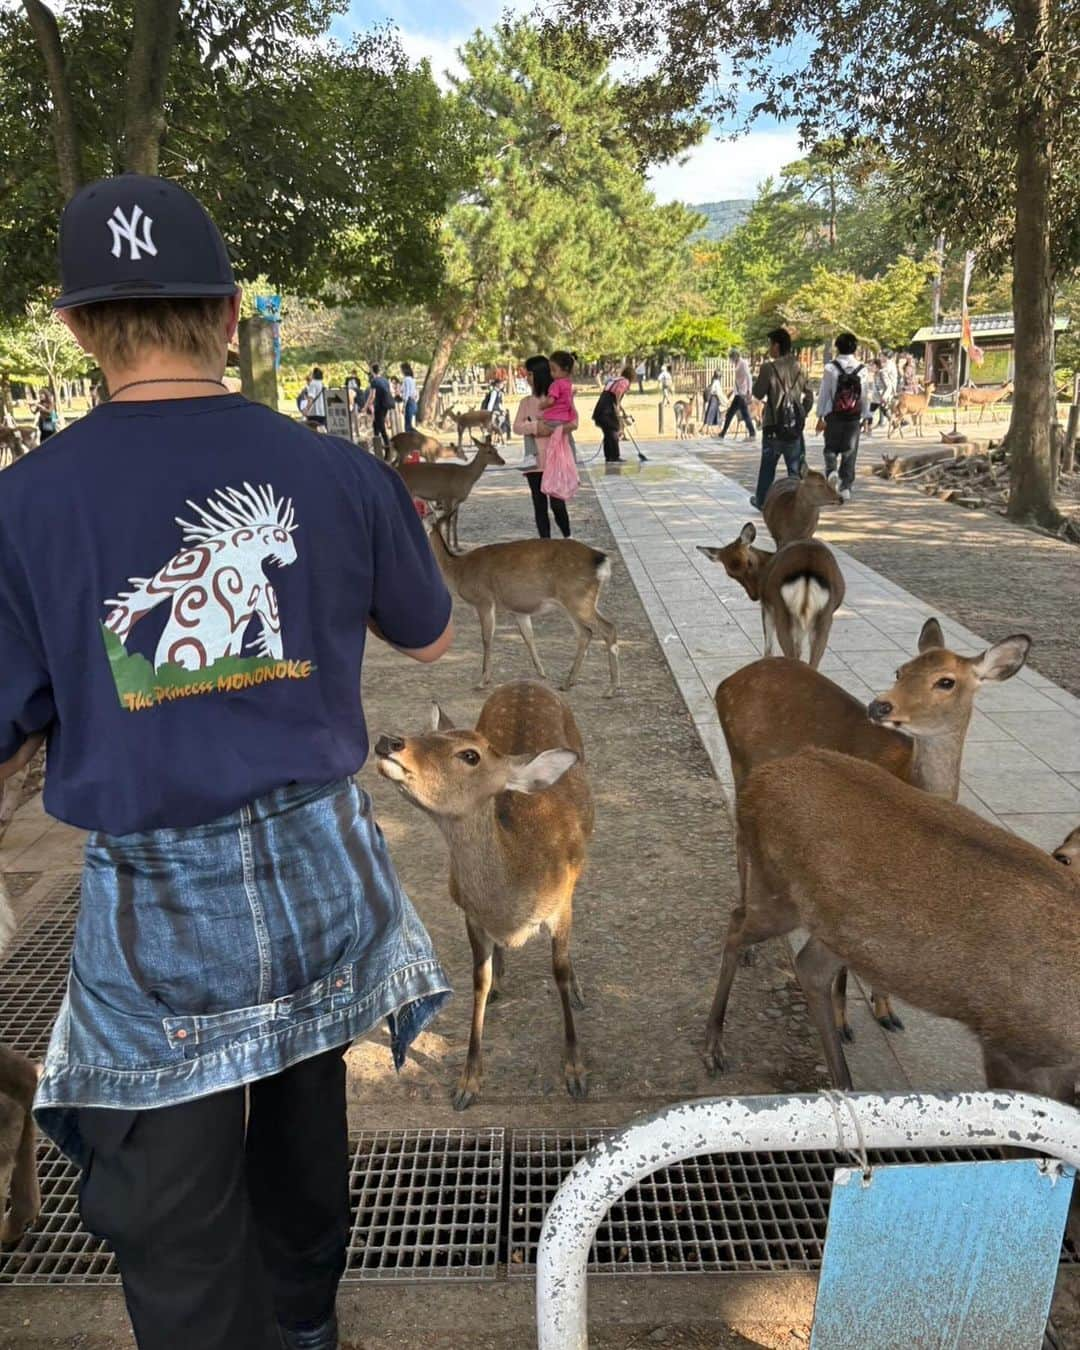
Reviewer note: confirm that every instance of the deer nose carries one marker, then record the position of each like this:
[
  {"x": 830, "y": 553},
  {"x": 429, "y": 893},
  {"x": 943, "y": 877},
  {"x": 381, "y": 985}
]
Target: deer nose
[
  {"x": 1063, "y": 858},
  {"x": 879, "y": 709},
  {"x": 389, "y": 745}
]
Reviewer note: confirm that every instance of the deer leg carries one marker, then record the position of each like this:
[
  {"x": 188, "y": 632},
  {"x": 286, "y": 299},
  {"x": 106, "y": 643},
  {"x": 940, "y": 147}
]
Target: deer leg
[
  {"x": 769, "y": 630},
  {"x": 468, "y": 1087},
  {"x": 839, "y": 1003},
  {"x": 786, "y": 633},
  {"x": 817, "y": 969},
  {"x": 498, "y": 969},
  {"x": 18, "y": 1080},
  {"x": 610, "y": 635},
  {"x": 820, "y": 639},
  {"x": 584, "y": 637},
  {"x": 574, "y": 1071},
  {"x": 487, "y": 632},
  {"x": 883, "y": 1011},
  {"x": 524, "y": 623}
]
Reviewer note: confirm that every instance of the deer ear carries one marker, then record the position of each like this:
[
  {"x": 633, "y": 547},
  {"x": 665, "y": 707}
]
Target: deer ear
[
  {"x": 931, "y": 636},
  {"x": 1003, "y": 659},
  {"x": 713, "y": 554},
  {"x": 440, "y": 721},
  {"x": 748, "y": 533},
  {"x": 540, "y": 772}
]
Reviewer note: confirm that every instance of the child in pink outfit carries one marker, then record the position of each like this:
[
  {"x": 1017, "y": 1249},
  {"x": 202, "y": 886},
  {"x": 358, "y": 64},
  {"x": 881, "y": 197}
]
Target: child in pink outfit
[{"x": 558, "y": 404}]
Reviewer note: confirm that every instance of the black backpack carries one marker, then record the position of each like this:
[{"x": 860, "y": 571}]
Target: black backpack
[
  {"x": 788, "y": 416},
  {"x": 847, "y": 399}
]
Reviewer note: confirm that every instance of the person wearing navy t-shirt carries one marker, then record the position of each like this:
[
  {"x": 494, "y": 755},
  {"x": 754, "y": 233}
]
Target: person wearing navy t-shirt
[{"x": 187, "y": 639}]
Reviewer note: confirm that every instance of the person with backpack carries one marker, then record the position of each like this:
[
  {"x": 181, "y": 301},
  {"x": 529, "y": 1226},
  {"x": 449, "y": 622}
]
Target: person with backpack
[
  {"x": 780, "y": 385},
  {"x": 843, "y": 407},
  {"x": 188, "y": 640}
]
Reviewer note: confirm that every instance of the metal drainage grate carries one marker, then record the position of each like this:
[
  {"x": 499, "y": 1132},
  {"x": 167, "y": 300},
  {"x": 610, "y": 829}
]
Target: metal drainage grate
[
  {"x": 33, "y": 977},
  {"x": 717, "y": 1214},
  {"x": 426, "y": 1204}
]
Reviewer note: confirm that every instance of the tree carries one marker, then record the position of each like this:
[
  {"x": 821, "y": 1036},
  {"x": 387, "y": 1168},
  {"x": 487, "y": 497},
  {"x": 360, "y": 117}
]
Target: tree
[
  {"x": 973, "y": 101},
  {"x": 235, "y": 102},
  {"x": 883, "y": 311},
  {"x": 559, "y": 240},
  {"x": 39, "y": 344},
  {"x": 694, "y": 336}
]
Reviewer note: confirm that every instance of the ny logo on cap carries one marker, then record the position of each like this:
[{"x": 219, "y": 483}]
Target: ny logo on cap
[{"x": 124, "y": 228}]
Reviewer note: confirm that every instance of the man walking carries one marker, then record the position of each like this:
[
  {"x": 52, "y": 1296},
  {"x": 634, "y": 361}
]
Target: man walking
[
  {"x": 188, "y": 638},
  {"x": 640, "y": 373},
  {"x": 740, "y": 398},
  {"x": 843, "y": 406},
  {"x": 380, "y": 401},
  {"x": 780, "y": 384},
  {"x": 666, "y": 384}
]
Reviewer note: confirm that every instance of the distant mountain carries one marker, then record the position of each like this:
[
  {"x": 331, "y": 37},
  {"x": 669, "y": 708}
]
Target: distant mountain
[{"x": 723, "y": 217}]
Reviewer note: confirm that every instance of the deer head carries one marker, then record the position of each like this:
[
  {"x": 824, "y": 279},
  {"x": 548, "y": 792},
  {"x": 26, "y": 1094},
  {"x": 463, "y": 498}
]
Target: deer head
[{"x": 740, "y": 561}]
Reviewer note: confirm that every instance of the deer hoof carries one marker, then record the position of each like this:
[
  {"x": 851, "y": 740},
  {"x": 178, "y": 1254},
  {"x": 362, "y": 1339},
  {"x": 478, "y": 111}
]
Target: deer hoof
[
  {"x": 13, "y": 1227},
  {"x": 577, "y": 1081},
  {"x": 715, "y": 1063},
  {"x": 846, "y": 1033},
  {"x": 466, "y": 1092},
  {"x": 577, "y": 999},
  {"x": 748, "y": 956},
  {"x": 891, "y": 1022}
]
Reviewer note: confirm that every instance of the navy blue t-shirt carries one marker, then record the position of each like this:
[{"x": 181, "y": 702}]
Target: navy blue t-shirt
[{"x": 184, "y": 592}]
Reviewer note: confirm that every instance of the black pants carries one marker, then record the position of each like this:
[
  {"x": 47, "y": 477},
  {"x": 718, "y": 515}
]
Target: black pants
[
  {"x": 378, "y": 423},
  {"x": 222, "y": 1231},
  {"x": 612, "y": 445},
  {"x": 542, "y": 503},
  {"x": 771, "y": 450},
  {"x": 737, "y": 406},
  {"x": 842, "y": 444}
]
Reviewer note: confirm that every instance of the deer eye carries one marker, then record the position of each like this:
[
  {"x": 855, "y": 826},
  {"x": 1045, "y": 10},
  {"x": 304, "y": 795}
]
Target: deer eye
[
  {"x": 470, "y": 757},
  {"x": 946, "y": 682}
]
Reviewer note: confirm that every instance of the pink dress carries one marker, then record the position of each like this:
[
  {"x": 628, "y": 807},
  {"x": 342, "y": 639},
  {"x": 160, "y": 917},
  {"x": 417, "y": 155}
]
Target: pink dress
[{"x": 562, "y": 408}]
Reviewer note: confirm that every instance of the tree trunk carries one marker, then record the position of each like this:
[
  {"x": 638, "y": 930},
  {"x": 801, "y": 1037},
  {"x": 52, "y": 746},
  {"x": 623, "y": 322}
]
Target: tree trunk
[
  {"x": 449, "y": 336},
  {"x": 153, "y": 37},
  {"x": 1031, "y": 494},
  {"x": 65, "y": 127}
]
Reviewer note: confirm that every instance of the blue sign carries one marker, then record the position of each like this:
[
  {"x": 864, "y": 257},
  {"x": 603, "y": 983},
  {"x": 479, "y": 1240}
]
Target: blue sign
[
  {"x": 954, "y": 1256},
  {"x": 268, "y": 307}
]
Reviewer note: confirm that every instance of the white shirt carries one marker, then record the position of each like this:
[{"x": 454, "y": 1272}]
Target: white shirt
[
  {"x": 316, "y": 399},
  {"x": 828, "y": 385},
  {"x": 640, "y": 372},
  {"x": 408, "y": 387},
  {"x": 664, "y": 378},
  {"x": 742, "y": 377}
]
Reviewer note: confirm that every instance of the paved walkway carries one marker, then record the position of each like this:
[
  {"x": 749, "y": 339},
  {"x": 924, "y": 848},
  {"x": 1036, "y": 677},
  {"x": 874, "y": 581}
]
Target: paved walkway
[{"x": 1021, "y": 766}]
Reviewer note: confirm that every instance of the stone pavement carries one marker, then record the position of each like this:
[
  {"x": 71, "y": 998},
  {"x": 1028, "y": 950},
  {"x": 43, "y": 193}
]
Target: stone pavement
[{"x": 1021, "y": 765}]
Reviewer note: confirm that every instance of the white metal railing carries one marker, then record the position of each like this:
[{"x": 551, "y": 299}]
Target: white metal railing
[{"x": 847, "y": 1122}]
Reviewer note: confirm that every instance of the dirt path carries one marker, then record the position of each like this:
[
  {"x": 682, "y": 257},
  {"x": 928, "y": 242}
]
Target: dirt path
[
  {"x": 995, "y": 577},
  {"x": 651, "y": 909}
]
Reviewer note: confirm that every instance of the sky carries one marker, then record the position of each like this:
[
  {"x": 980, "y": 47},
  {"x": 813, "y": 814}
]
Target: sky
[{"x": 715, "y": 170}]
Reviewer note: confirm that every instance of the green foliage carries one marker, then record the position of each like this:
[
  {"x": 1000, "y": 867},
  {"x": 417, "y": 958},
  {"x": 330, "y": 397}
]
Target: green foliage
[
  {"x": 695, "y": 336},
  {"x": 560, "y": 239},
  {"x": 328, "y": 169},
  {"x": 39, "y": 348},
  {"x": 885, "y": 311}
]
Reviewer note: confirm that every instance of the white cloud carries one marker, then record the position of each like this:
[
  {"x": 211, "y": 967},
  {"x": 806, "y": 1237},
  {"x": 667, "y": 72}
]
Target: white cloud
[
  {"x": 717, "y": 170},
  {"x": 441, "y": 52}
]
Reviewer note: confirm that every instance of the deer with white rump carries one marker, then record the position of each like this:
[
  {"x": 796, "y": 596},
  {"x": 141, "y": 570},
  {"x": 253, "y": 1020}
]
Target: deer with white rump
[
  {"x": 960, "y": 917},
  {"x": 775, "y": 708},
  {"x": 513, "y": 802},
  {"x": 800, "y": 587},
  {"x": 525, "y": 577},
  {"x": 448, "y": 485}
]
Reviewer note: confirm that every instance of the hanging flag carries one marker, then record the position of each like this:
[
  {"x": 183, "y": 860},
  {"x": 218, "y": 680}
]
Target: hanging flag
[{"x": 967, "y": 340}]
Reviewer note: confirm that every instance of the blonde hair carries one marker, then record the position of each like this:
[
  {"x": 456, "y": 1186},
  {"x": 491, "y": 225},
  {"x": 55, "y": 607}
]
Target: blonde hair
[{"x": 119, "y": 332}]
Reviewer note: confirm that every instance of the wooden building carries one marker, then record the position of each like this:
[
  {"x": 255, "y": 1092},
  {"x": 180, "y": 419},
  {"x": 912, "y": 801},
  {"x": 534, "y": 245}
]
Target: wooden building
[{"x": 943, "y": 358}]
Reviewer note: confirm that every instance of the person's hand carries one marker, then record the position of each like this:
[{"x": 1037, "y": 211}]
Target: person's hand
[{"x": 820, "y": 424}]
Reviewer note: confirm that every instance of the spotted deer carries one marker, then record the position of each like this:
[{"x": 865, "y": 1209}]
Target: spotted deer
[
  {"x": 448, "y": 485},
  {"x": 774, "y": 708},
  {"x": 512, "y": 800},
  {"x": 800, "y": 587},
  {"x": 793, "y": 506}
]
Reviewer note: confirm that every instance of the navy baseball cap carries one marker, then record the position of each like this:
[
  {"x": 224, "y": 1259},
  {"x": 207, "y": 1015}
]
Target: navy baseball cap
[{"x": 136, "y": 237}]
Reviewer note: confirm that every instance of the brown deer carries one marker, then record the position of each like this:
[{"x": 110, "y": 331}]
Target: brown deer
[
  {"x": 446, "y": 485},
  {"x": 774, "y": 708},
  {"x": 475, "y": 419},
  {"x": 429, "y": 448},
  {"x": 793, "y": 505},
  {"x": 18, "y": 1081},
  {"x": 513, "y": 802},
  {"x": 971, "y": 396},
  {"x": 526, "y": 577},
  {"x": 909, "y": 408},
  {"x": 958, "y": 916},
  {"x": 799, "y": 587}
]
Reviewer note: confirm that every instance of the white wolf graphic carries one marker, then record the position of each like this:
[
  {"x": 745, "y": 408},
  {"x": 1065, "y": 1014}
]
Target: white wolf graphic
[{"x": 216, "y": 584}]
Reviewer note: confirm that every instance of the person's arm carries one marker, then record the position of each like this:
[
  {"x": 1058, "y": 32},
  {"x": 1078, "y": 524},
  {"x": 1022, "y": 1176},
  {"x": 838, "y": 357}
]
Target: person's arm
[
  {"x": 410, "y": 605},
  {"x": 825, "y": 393},
  {"x": 761, "y": 384},
  {"x": 26, "y": 699},
  {"x": 866, "y": 381},
  {"x": 524, "y": 421}
]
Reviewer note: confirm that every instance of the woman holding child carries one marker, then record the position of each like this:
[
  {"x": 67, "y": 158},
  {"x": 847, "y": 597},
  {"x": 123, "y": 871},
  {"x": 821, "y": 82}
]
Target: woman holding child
[{"x": 539, "y": 414}]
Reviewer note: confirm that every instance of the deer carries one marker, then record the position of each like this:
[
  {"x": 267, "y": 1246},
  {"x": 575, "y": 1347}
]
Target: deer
[
  {"x": 774, "y": 708},
  {"x": 961, "y": 917},
  {"x": 684, "y": 418},
  {"x": 512, "y": 800},
  {"x": 799, "y": 587},
  {"x": 526, "y": 577},
  {"x": 971, "y": 396},
  {"x": 448, "y": 485},
  {"x": 1068, "y": 849},
  {"x": 475, "y": 419},
  {"x": 793, "y": 505},
  {"x": 19, "y": 1188},
  {"x": 909, "y": 407},
  {"x": 429, "y": 448}
]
